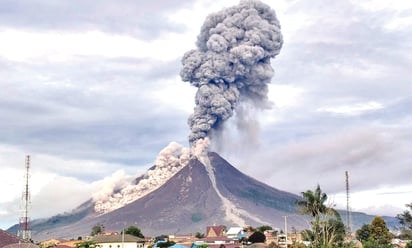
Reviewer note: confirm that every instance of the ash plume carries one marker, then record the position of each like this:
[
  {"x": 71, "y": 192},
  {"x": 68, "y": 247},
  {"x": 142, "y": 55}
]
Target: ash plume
[{"x": 231, "y": 64}]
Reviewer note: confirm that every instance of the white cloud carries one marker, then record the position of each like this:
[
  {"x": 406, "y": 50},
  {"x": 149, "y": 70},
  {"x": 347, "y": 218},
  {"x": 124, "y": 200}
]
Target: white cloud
[
  {"x": 354, "y": 109},
  {"x": 56, "y": 184},
  {"x": 388, "y": 201},
  {"x": 285, "y": 95},
  {"x": 60, "y": 194},
  {"x": 21, "y": 45}
]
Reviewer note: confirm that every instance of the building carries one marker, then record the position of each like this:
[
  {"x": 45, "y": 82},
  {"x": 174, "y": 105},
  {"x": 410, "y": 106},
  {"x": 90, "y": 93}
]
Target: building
[
  {"x": 8, "y": 240},
  {"x": 119, "y": 241},
  {"x": 235, "y": 233},
  {"x": 215, "y": 231}
]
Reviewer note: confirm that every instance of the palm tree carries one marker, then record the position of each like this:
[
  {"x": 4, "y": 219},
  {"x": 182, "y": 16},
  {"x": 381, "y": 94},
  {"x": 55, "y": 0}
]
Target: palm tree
[
  {"x": 313, "y": 203},
  {"x": 325, "y": 219}
]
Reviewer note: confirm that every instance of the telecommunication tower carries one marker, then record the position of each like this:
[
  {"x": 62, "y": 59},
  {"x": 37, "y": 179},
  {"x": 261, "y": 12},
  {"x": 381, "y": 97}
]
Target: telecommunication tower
[
  {"x": 348, "y": 209},
  {"x": 24, "y": 228}
]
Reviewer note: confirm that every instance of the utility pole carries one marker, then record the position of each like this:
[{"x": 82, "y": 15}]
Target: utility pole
[
  {"x": 123, "y": 237},
  {"x": 348, "y": 211},
  {"x": 286, "y": 231}
]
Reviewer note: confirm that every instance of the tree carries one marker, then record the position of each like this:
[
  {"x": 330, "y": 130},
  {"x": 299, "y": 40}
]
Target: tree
[
  {"x": 257, "y": 237},
  {"x": 199, "y": 235},
  {"x": 313, "y": 203},
  {"x": 164, "y": 244},
  {"x": 328, "y": 229},
  {"x": 363, "y": 233},
  {"x": 135, "y": 231},
  {"x": 264, "y": 228},
  {"x": 161, "y": 237},
  {"x": 375, "y": 235},
  {"x": 379, "y": 232},
  {"x": 97, "y": 229},
  {"x": 405, "y": 219},
  {"x": 86, "y": 244},
  {"x": 249, "y": 229}
]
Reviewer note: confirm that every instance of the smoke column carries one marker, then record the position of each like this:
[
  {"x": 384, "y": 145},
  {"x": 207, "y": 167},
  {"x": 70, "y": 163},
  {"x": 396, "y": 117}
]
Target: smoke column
[{"x": 231, "y": 64}]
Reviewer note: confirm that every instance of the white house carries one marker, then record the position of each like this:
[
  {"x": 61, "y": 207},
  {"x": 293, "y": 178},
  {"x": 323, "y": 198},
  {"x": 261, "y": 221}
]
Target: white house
[
  {"x": 235, "y": 233},
  {"x": 118, "y": 241}
]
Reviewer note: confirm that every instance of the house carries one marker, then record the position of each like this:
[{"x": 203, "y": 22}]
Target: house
[
  {"x": 216, "y": 237},
  {"x": 8, "y": 240},
  {"x": 235, "y": 233},
  {"x": 119, "y": 241},
  {"x": 70, "y": 243},
  {"x": 215, "y": 231},
  {"x": 50, "y": 242},
  {"x": 186, "y": 240}
]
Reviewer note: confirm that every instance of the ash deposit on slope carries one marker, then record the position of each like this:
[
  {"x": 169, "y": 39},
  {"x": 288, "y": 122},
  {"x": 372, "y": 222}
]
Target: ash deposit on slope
[{"x": 169, "y": 161}]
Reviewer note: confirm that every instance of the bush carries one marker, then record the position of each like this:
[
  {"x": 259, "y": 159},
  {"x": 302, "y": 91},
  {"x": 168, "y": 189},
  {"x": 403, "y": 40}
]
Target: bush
[{"x": 257, "y": 237}]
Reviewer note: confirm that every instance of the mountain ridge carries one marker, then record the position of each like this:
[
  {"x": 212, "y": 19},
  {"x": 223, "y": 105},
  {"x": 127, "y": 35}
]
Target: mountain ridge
[{"x": 186, "y": 203}]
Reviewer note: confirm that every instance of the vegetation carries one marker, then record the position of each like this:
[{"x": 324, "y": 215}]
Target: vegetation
[
  {"x": 85, "y": 244},
  {"x": 405, "y": 219},
  {"x": 297, "y": 245},
  {"x": 203, "y": 246},
  {"x": 363, "y": 233},
  {"x": 257, "y": 237},
  {"x": 97, "y": 229},
  {"x": 249, "y": 229},
  {"x": 327, "y": 229},
  {"x": 375, "y": 235},
  {"x": 135, "y": 231},
  {"x": 199, "y": 235},
  {"x": 163, "y": 244},
  {"x": 161, "y": 237},
  {"x": 264, "y": 228}
]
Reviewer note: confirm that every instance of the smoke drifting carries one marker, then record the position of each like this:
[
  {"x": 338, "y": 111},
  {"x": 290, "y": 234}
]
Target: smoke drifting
[
  {"x": 231, "y": 64},
  {"x": 118, "y": 191}
]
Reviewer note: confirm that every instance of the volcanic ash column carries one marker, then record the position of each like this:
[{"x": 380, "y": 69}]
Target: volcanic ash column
[{"x": 231, "y": 64}]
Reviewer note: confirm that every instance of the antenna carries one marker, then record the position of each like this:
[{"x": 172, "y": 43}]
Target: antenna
[
  {"x": 24, "y": 231},
  {"x": 348, "y": 211}
]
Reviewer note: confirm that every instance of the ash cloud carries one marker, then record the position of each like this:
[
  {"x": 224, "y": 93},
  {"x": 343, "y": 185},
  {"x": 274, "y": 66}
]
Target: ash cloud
[{"x": 231, "y": 64}]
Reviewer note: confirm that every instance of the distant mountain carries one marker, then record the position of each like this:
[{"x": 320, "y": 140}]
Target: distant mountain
[{"x": 198, "y": 195}]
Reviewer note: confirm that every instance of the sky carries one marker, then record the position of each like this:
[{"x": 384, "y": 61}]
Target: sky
[{"x": 92, "y": 92}]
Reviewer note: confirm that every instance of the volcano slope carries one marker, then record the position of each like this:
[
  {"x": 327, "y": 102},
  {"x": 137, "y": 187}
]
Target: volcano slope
[{"x": 186, "y": 203}]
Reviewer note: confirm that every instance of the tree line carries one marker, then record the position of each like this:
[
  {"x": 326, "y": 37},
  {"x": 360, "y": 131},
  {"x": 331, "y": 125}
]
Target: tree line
[{"x": 327, "y": 229}]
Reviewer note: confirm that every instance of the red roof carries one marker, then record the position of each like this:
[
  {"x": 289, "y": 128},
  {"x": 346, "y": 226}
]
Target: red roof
[
  {"x": 7, "y": 238},
  {"x": 213, "y": 239},
  {"x": 62, "y": 246},
  {"x": 214, "y": 231}
]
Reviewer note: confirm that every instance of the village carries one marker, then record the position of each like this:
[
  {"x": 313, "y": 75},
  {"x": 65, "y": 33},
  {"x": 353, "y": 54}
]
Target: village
[
  {"x": 214, "y": 237},
  {"x": 218, "y": 236}
]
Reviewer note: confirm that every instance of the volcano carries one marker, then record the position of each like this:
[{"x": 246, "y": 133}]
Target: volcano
[{"x": 196, "y": 196}]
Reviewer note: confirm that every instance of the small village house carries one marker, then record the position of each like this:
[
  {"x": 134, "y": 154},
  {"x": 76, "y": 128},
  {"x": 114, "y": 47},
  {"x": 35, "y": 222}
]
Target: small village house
[{"x": 119, "y": 241}]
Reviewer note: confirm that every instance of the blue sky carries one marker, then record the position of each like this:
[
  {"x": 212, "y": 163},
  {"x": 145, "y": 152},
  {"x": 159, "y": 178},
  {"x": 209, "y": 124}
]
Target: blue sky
[{"x": 92, "y": 92}]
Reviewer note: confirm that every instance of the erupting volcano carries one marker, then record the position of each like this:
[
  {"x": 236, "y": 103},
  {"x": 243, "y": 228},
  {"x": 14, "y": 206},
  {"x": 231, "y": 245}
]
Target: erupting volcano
[
  {"x": 190, "y": 188},
  {"x": 230, "y": 67}
]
